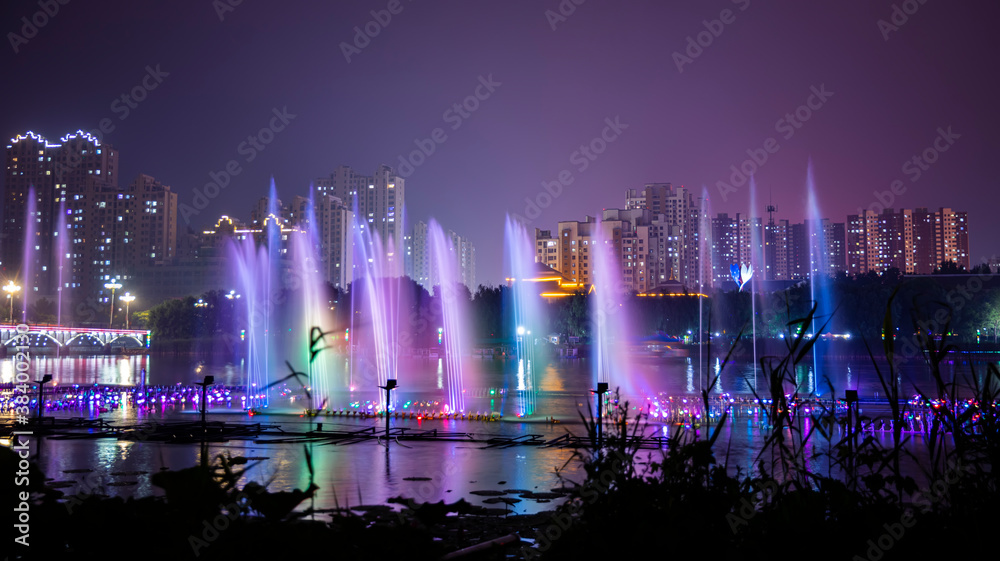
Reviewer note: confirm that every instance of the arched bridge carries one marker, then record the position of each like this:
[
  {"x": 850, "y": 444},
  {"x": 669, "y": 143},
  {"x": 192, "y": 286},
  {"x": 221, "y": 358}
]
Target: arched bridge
[{"x": 49, "y": 336}]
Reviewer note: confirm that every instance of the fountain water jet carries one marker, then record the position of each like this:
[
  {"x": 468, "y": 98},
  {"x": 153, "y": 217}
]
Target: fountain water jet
[
  {"x": 611, "y": 330},
  {"x": 381, "y": 278},
  {"x": 30, "y": 253},
  {"x": 252, "y": 273},
  {"x": 445, "y": 262},
  {"x": 526, "y": 307},
  {"x": 704, "y": 260},
  {"x": 62, "y": 250},
  {"x": 819, "y": 280},
  {"x": 756, "y": 262},
  {"x": 313, "y": 312}
]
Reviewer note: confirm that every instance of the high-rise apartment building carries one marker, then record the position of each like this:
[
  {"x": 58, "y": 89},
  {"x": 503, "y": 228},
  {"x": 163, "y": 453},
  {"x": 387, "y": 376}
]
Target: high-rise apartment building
[
  {"x": 150, "y": 215},
  {"x": 113, "y": 231},
  {"x": 109, "y": 230},
  {"x": 655, "y": 240},
  {"x": 422, "y": 267},
  {"x": 951, "y": 236},
  {"x": 736, "y": 241},
  {"x": 914, "y": 241},
  {"x": 725, "y": 241},
  {"x": 335, "y": 223},
  {"x": 328, "y": 222},
  {"x": 420, "y": 259},
  {"x": 776, "y": 250},
  {"x": 51, "y": 171},
  {"x": 377, "y": 202},
  {"x": 674, "y": 215},
  {"x": 571, "y": 250}
]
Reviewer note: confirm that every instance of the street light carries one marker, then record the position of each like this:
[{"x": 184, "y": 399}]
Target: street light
[
  {"x": 113, "y": 286},
  {"x": 10, "y": 288},
  {"x": 127, "y": 298}
]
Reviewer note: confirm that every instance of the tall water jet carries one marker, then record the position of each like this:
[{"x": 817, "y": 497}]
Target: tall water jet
[
  {"x": 252, "y": 274},
  {"x": 62, "y": 251},
  {"x": 819, "y": 280},
  {"x": 313, "y": 313},
  {"x": 756, "y": 265},
  {"x": 611, "y": 337},
  {"x": 31, "y": 249},
  {"x": 444, "y": 262},
  {"x": 380, "y": 275},
  {"x": 704, "y": 260},
  {"x": 526, "y": 303},
  {"x": 272, "y": 231}
]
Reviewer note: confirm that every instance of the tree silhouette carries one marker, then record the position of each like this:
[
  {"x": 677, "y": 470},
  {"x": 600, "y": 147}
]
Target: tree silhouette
[{"x": 949, "y": 268}]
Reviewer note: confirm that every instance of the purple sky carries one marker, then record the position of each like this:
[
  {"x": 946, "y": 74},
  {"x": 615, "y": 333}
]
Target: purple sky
[{"x": 609, "y": 58}]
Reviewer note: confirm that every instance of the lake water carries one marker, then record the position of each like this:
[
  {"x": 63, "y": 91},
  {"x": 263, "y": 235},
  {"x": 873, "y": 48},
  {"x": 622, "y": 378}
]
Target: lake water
[{"x": 370, "y": 473}]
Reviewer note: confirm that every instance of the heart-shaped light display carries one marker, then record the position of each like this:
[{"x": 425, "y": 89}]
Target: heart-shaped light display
[
  {"x": 745, "y": 275},
  {"x": 734, "y": 270}
]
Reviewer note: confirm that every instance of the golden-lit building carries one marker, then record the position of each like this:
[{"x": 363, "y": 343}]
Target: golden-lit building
[{"x": 552, "y": 284}]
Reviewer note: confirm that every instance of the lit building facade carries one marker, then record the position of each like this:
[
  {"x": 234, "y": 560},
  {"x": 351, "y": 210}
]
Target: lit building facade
[
  {"x": 914, "y": 241},
  {"x": 376, "y": 200},
  {"x": 420, "y": 265},
  {"x": 53, "y": 171}
]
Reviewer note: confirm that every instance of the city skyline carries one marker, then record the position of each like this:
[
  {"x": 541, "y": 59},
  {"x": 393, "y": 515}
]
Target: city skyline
[
  {"x": 620, "y": 98},
  {"x": 662, "y": 235}
]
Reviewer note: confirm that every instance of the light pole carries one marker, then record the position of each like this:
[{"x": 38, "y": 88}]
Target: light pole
[
  {"x": 127, "y": 298},
  {"x": 602, "y": 388},
  {"x": 208, "y": 381},
  {"x": 10, "y": 288},
  {"x": 390, "y": 385},
  {"x": 41, "y": 384},
  {"x": 113, "y": 286}
]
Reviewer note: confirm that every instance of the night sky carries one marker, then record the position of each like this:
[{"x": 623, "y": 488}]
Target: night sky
[{"x": 893, "y": 87}]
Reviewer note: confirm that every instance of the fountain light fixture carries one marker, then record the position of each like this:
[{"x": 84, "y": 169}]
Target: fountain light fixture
[
  {"x": 520, "y": 330},
  {"x": 232, "y": 295}
]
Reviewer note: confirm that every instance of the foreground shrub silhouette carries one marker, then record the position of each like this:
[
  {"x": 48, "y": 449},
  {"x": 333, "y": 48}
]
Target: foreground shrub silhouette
[{"x": 863, "y": 506}]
